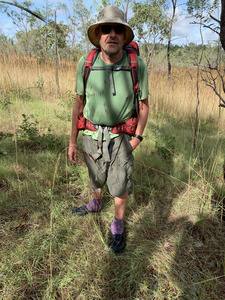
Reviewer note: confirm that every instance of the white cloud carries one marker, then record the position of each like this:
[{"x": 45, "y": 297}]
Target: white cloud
[
  {"x": 6, "y": 25},
  {"x": 184, "y": 32}
]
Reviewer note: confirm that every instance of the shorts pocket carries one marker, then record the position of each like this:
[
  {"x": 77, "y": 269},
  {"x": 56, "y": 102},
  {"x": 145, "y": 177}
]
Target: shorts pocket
[{"x": 124, "y": 153}]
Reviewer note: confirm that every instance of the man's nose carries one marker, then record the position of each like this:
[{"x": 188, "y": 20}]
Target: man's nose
[{"x": 112, "y": 32}]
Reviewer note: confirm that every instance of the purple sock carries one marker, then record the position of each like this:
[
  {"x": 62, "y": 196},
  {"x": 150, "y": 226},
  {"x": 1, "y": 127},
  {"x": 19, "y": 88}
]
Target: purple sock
[
  {"x": 117, "y": 226},
  {"x": 94, "y": 205}
]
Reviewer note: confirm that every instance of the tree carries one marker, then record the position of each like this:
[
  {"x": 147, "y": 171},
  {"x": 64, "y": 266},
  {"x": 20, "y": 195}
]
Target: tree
[
  {"x": 42, "y": 39},
  {"x": 212, "y": 74},
  {"x": 222, "y": 24},
  {"x": 81, "y": 18},
  {"x": 174, "y": 4},
  {"x": 55, "y": 33},
  {"x": 206, "y": 18},
  {"x": 24, "y": 19},
  {"x": 4, "y": 8},
  {"x": 151, "y": 23},
  {"x": 5, "y": 43},
  {"x": 196, "y": 8}
]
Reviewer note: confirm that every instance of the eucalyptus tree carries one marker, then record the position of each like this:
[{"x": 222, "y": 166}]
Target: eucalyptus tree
[
  {"x": 222, "y": 24},
  {"x": 33, "y": 36},
  {"x": 52, "y": 30},
  {"x": 23, "y": 20},
  {"x": 42, "y": 40},
  {"x": 201, "y": 10},
  {"x": 6, "y": 43},
  {"x": 151, "y": 23},
  {"x": 120, "y": 3},
  {"x": 81, "y": 18},
  {"x": 196, "y": 9}
]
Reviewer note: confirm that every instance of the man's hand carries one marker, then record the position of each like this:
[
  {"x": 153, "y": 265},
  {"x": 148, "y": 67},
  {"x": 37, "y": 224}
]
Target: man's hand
[
  {"x": 134, "y": 142},
  {"x": 142, "y": 120},
  {"x": 72, "y": 152}
]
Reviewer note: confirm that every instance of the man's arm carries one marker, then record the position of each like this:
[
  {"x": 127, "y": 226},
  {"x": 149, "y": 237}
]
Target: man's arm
[
  {"x": 77, "y": 109},
  {"x": 142, "y": 120}
]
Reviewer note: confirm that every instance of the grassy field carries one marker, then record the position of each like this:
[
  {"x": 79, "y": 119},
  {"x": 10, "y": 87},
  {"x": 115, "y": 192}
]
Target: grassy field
[{"x": 175, "y": 216}]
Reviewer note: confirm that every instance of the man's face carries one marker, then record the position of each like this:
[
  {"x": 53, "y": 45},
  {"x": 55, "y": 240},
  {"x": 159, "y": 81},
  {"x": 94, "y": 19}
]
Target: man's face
[{"x": 111, "y": 38}]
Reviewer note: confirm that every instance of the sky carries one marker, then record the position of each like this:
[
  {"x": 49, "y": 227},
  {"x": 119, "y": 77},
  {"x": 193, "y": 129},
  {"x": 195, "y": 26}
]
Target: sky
[{"x": 183, "y": 32}]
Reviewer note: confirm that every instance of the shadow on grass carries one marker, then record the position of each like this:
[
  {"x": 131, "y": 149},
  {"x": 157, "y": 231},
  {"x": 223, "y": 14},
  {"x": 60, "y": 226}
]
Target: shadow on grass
[
  {"x": 132, "y": 275},
  {"x": 167, "y": 255},
  {"x": 198, "y": 264}
]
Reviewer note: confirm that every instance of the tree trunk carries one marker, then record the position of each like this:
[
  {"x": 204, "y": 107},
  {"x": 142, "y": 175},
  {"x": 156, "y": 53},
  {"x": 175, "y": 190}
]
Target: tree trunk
[
  {"x": 197, "y": 85},
  {"x": 168, "y": 58},
  {"x": 126, "y": 11},
  {"x": 169, "y": 39},
  {"x": 56, "y": 61},
  {"x": 222, "y": 24}
]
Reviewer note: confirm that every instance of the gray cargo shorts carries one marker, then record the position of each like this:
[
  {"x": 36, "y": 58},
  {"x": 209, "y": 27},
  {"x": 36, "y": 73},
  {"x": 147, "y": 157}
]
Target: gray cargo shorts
[{"x": 117, "y": 173}]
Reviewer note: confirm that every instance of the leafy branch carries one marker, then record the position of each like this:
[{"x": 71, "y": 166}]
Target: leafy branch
[{"x": 26, "y": 9}]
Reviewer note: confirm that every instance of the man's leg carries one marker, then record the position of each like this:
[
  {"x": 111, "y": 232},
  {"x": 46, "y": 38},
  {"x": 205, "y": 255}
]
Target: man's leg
[
  {"x": 117, "y": 228},
  {"x": 94, "y": 206},
  {"x": 96, "y": 203},
  {"x": 120, "y": 205},
  {"x": 97, "y": 174}
]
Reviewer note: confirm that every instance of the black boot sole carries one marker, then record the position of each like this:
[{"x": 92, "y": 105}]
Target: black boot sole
[{"x": 82, "y": 211}]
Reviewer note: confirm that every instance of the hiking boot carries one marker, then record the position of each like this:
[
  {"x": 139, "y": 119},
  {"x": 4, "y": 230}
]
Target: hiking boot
[
  {"x": 80, "y": 211},
  {"x": 118, "y": 243},
  {"x": 94, "y": 206}
]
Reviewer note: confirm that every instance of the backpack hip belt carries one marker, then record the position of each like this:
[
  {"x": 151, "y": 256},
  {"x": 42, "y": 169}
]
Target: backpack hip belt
[{"x": 128, "y": 127}]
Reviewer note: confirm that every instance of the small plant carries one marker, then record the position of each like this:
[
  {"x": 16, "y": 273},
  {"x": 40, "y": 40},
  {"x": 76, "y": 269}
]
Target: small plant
[
  {"x": 39, "y": 83},
  {"x": 14, "y": 93},
  {"x": 28, "y": 133},
  {"x": 5, "y": 136},
  {"x": 20, "y": 94},
  {"x": 164, "y": 142},
  {"x": 28, "y": 129},
  {"x": 67, "y": 101},
  {"x": 5, "y": 100}
]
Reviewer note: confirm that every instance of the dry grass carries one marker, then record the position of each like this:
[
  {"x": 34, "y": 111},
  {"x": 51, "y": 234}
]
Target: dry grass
[
  {"x": 23, "y": 72},
  {"x": 180, "y": 98},
  {"x": 21, "y": 83}
]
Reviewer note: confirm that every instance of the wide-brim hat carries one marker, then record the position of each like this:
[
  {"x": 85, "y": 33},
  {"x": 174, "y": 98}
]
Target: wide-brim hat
[{"x": 110, "y": 14}]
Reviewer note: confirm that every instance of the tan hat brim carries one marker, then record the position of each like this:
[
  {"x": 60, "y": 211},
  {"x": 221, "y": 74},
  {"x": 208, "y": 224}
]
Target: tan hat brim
[{"x": 92, "y": 30}]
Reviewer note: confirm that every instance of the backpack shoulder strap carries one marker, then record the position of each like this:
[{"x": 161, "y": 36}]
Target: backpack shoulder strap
[
  {"x": 133, "y": 52},
  {"x": 133, "y": 61},
  {"x": 88, "y": 63}
]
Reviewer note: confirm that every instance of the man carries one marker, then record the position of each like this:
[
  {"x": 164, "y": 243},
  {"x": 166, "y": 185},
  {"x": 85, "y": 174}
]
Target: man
[{"x": 108, "y": 101}]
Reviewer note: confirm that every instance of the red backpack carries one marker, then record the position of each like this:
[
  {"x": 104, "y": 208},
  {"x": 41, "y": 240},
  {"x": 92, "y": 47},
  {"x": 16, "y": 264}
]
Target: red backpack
[{"x": 133, "y": 51}]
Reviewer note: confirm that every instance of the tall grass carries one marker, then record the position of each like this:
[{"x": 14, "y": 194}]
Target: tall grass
[
  {"x": 23, "y": 79},
  {"x": 24, "y": 71},
  {"x": 180, "y": 98},
  {"x": 174, "y": 218}
]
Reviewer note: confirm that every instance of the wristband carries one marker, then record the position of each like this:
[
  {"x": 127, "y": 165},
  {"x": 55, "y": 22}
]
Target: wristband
[{"x": 138, "y": 137}]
